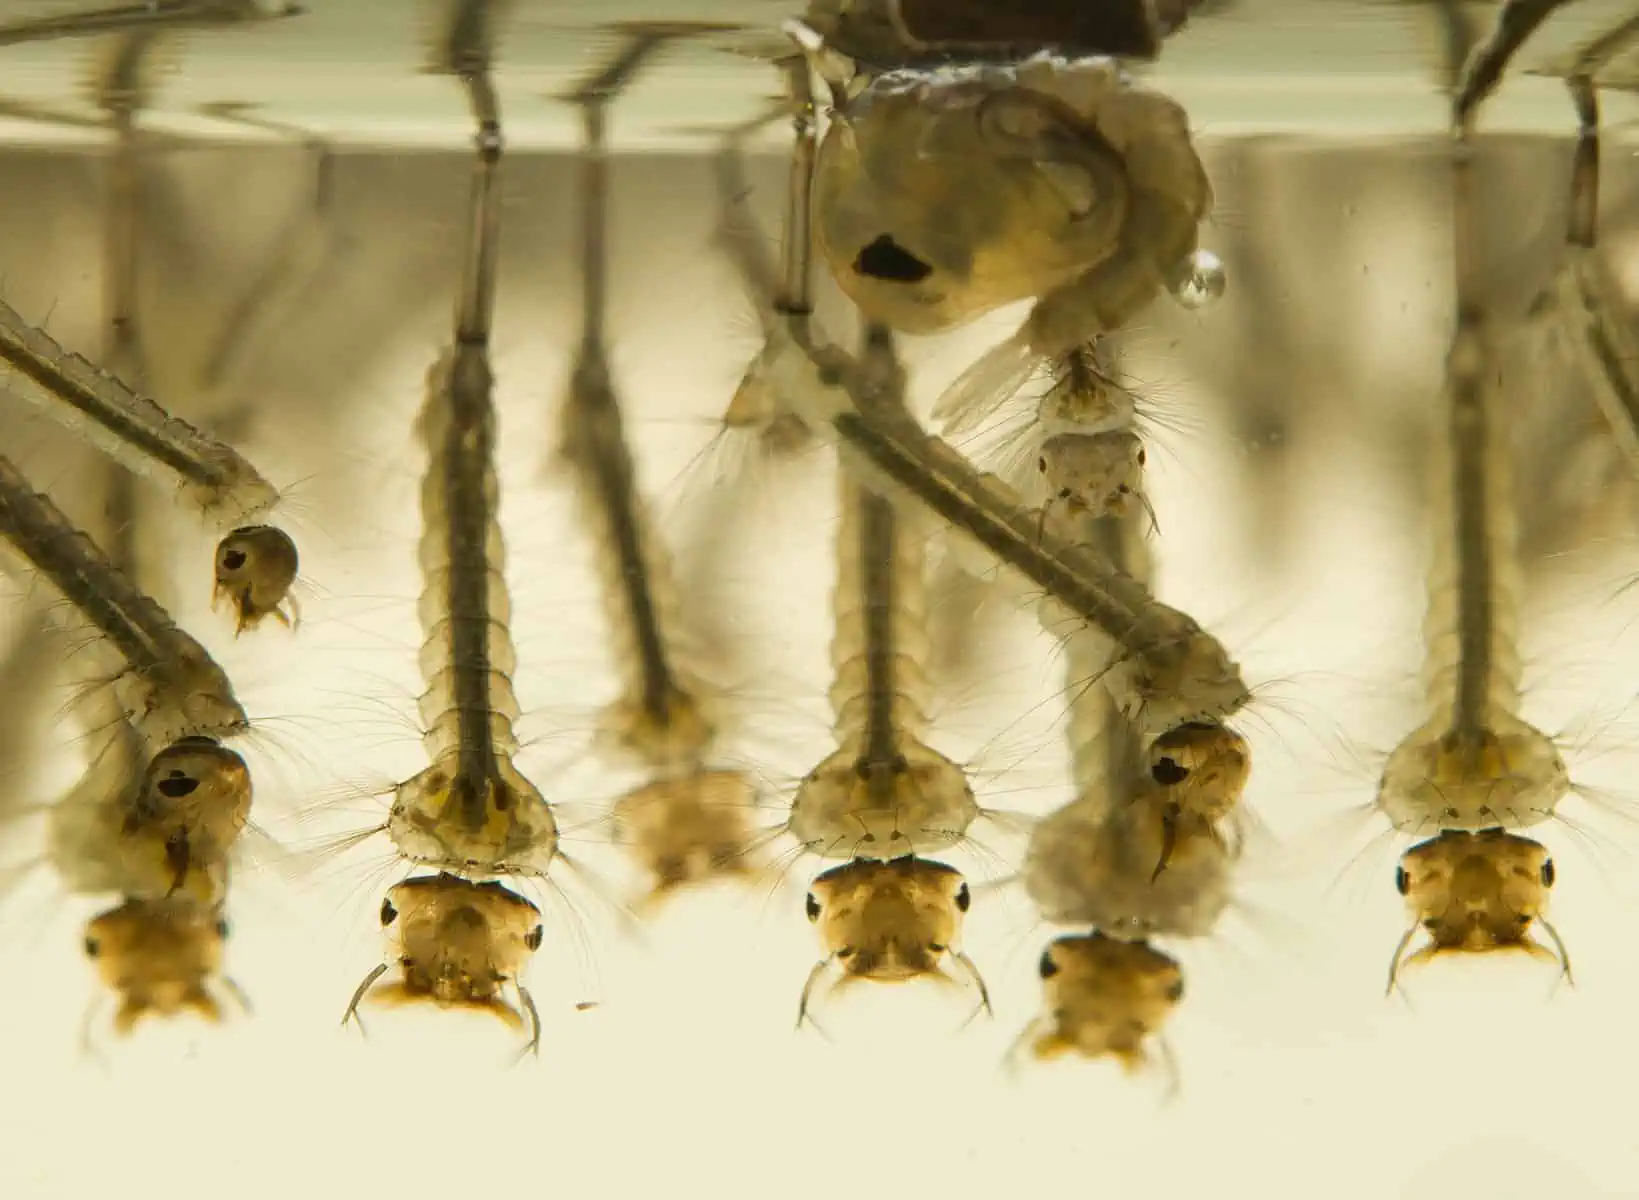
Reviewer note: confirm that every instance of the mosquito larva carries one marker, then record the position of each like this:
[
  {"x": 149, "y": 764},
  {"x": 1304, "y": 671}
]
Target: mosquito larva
[
  {"x": 1104, "y": 997},
  {"x": 883, "y": 793},
  {"x": 171, "y": 687},
  {"x": 471, "y": 809},
  {"x": 458, "y": 944},
  {"x": 1474, "y": 762},
  {"x": 688, "y": 823},
  {"x": 145, "y": 15},
  {"x": 1476, "y": 892},
  {"x": 658, "y": 716},
  {"x": 161, "y": 957},
  {"x": 889, "y": 921}
]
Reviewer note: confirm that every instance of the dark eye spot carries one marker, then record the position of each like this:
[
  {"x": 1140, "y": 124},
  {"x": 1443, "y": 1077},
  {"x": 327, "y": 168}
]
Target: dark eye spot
[
  {"x": 233, "y": 560},
  {"x": 887, "y": 260},
  {"x": 1175, "y": 991},
  {"x": 846, "y": 953},
  {"x": 1168, "y": 771},
  {"x": 1047, "y": 968},
  {"x": 177, "y": 785},
  {"x": 389, "y": 914},
  {"x": 92, "y": 947},
  {"x": 937, "y": 947},
  {"x": 533, "y": 939},
  {"x": 1141, "y": 457},
  {"x": 1547, "y": 872},
  {"x": 964, "y": 898},
  {"x": 222, "y": 928},
  {"x": 1041, "y": 465},
  {"x": 1402, "y": 881},
  {"x": 813, "y": 907},
  {"x": 1523, "y": 919}
]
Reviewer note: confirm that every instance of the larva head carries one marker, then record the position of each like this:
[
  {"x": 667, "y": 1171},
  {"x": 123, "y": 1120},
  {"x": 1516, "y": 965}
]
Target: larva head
[
  {"x": 942, "y": 195},
  {"x": 1105, "y": 998},
  {"x": 889, "y": 921},
  {"x": 158, "y": 956},
  {"x": 1510, "y": 773},
  {"x": 1202, "y": 767},
  {"x": 195, "y": 803},
  {"x": 1475, "y": 892},
  {"x": 1188, "y": 678},
  {"x": 458, "y": 943},
  {"x": 917, "y": 802},
  {"x": 1099, "y": 865},
  {"x": 490, "y": 824},
  {"x": 690, "y": 829},
  {"x": 1101, "y": 475},
  {"x": 256, "y": 567}
]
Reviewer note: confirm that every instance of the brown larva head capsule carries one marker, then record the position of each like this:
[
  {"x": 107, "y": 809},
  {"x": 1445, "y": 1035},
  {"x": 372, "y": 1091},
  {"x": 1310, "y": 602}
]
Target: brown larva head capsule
[
  {"x": 457, "y": 944},
  {"x": 689, "y": 830},
  {"x": 918, "y": 802},
  {"x": 1475, "y": 893},
  {"x": 194, "y": 804},
  {"x": 889, "y": 921},
  {"x": 256, "y": 567},
  {"x": 159, "y": 956},
  {"x": 1099, "y": 475},
  {"x": 1104, "y": 998}
]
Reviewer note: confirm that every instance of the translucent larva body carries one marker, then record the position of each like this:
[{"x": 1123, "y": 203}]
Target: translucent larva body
[{"x": 689, "y": 829}]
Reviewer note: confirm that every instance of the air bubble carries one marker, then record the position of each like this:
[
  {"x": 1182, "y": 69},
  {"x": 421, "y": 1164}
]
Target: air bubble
[{"x": 1201, "y": 281}]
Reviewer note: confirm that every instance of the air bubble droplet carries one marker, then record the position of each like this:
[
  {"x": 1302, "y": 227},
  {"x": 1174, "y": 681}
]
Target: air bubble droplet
[{"x": 1201, "y": 282}]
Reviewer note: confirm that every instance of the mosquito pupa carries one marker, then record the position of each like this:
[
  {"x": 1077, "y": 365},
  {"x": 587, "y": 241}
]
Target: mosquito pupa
[
  {"x": 889, "y": 922},
  {"x": 160, "y": 957},
  {"x": 471, "y": 809},
  {"x": 457, "y": 944},
  {"x": 170, "y": 687},
  {"x": 1103, "y": 997},
  {"x": 256, "y": 567},
  {"x": 883, "y": 793},
  {"x": 1475, "y": 893},
  {"x": 1474, "y": 762},
  {"x": 147, "y": 15},
  {"x": 945, "y": 193}
]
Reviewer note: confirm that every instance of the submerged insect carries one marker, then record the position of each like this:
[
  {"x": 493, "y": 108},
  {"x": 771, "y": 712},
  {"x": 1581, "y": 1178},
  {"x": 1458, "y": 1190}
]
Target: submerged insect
[
  {"x": 256, "y": 567},
  {"x": 471, "y": 810},
  {"x": 1103, "y": 997},
  {"x": 152, "y": 828},
  {"x": 889, "y": 921},
  {"x": 458, "y": 944},
  {"x": 170, "y": 687},
  {"x": 147, "y": 16},
  {"x": 161, "y": 957},
  {"x": 689, "y": 823},
  {"x": 1473, "y": 893}
]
